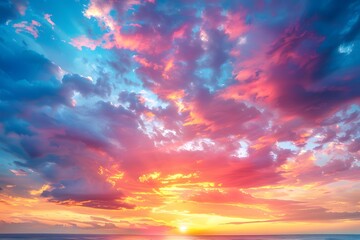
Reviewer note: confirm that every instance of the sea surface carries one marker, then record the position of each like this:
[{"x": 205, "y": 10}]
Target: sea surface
[{"x": 125, "y": 237}]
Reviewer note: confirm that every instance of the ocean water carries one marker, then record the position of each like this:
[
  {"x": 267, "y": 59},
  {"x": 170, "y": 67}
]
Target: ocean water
[{"x": 124, "y": 237}]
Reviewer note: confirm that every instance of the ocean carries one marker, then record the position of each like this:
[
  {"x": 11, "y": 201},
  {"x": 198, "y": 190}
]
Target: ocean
[{"x": 125, "y": 237}]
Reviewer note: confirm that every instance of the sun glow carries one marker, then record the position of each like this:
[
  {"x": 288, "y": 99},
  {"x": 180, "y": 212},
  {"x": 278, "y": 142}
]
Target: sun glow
[{"x": 183, "y": 228}]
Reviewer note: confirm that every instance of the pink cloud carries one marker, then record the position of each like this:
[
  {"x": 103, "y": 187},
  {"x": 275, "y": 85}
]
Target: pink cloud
[
  {"x": 83, "y": 41},
  {"x": 48, "y": 19},
  {"x": 29, "y": 27}
]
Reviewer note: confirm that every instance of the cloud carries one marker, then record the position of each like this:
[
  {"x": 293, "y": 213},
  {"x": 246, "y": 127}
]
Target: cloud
[
  {"x": 76, "y": 227},
  {"x": 87, "y": 193},
  {"x": 48, "y": 19},
  {"x": 315, "y": 214},
  {"x": 83, "y": 41},
  {"x": 240, "y": 112},
  {"x": 8, "y": 11},
  {"x": 29, "y": 27}
]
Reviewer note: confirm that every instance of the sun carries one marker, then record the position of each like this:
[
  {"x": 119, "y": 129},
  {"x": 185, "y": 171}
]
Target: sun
[{"x": 183, "y": 228}]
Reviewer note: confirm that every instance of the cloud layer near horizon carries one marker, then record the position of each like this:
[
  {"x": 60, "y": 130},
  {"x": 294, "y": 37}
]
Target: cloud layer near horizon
[{"x": 145, "y": 116}]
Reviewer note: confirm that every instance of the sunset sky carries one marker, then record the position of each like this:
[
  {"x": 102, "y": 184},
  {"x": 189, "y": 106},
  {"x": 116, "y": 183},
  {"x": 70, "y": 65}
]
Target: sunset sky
[{"x": 179, "y": 117}]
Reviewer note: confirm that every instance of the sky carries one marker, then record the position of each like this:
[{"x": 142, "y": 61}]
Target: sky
[{"x": 179, "y": 117}]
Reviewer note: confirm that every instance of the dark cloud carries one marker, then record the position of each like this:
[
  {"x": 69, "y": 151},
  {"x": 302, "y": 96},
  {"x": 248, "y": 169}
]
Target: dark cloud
[
  {"x": 8, "y": 10},
  {"x": 57, "y": 144},
  {"x": 87, "y": 193},
  {"x": 75, "y": 82},
  {"x": 315, "y": 86}
]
